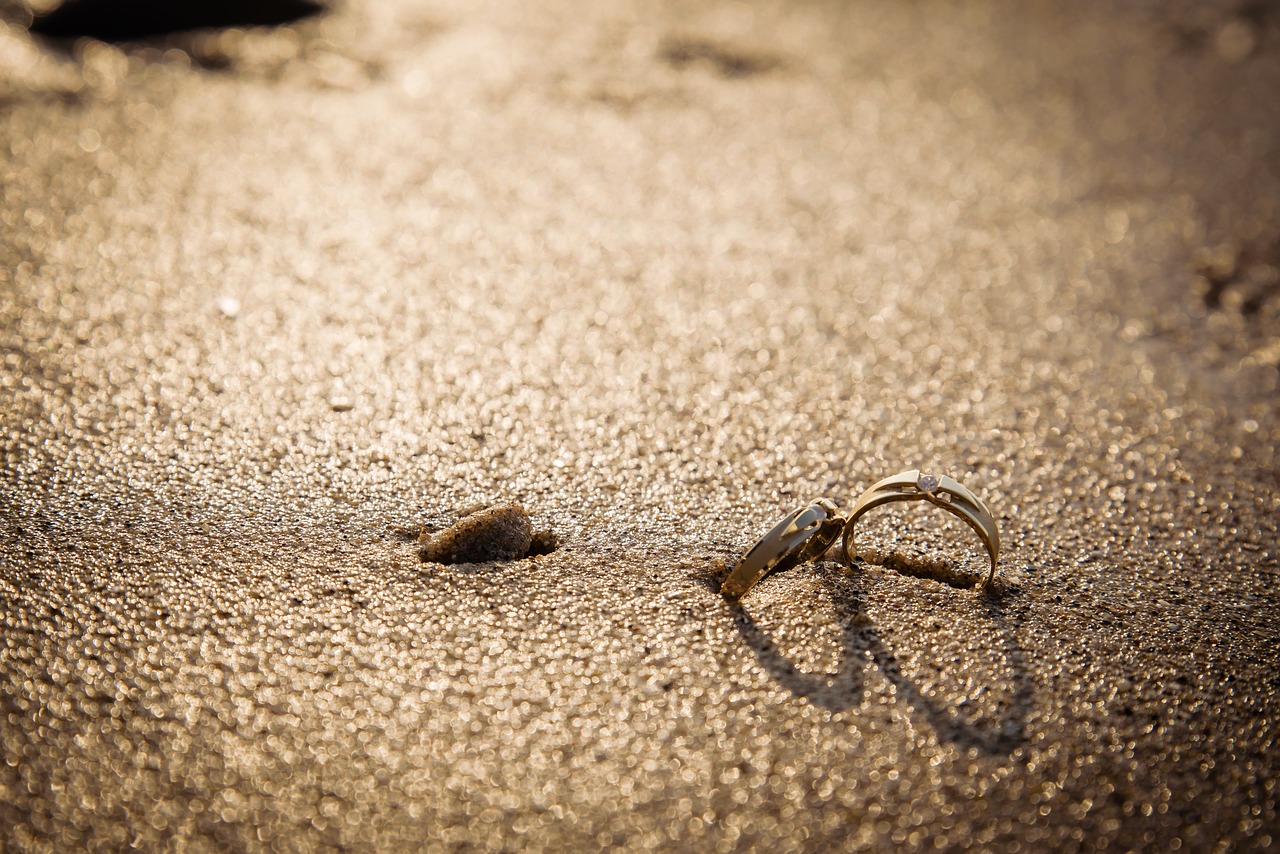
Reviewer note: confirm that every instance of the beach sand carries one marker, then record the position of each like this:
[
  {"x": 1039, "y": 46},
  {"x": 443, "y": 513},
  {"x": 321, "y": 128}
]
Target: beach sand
[{"x": 272, "y": 301}]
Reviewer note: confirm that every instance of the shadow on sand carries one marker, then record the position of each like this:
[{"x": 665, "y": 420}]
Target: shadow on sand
[
  {"x": 862, "y": 644},
  {"x": 129, "y": 20}
]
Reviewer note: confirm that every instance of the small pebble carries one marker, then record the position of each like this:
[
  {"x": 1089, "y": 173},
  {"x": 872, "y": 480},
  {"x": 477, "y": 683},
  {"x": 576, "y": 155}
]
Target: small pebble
[{"x": 502, "y": 532}]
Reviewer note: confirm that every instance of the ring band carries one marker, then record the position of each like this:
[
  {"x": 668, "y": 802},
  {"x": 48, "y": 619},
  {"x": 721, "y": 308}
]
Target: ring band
[
  {"x": 803, "y": 534},
  {"x": 944, "y": 492}
]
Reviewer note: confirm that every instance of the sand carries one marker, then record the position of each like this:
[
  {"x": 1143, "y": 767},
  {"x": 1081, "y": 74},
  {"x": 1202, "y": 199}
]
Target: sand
[{"x": 658, "y": 272}]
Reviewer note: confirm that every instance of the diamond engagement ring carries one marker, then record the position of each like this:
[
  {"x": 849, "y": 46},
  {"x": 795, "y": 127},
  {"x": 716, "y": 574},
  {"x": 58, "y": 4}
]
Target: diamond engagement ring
[
  {"x": 944, "y": 492},
  {"x": 805, "y": 533}
]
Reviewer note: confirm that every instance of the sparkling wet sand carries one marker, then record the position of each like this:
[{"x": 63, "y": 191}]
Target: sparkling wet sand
[{"x": 271, "y": 301}]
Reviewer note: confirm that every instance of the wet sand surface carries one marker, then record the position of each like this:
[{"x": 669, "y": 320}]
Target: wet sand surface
[{"x": 271, "y": 301}]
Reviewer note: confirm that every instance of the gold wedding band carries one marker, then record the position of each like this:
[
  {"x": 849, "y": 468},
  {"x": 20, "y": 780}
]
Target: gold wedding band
[
  {"x": 803, "y": 534},
  {"x": 944, "y": 492}
]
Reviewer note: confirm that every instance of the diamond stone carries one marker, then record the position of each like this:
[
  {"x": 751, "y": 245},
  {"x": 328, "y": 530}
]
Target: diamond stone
[{"x": 927, "y": 482}]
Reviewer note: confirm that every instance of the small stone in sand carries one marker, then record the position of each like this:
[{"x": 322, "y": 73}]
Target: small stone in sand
[{"x": 502, "y": 532}]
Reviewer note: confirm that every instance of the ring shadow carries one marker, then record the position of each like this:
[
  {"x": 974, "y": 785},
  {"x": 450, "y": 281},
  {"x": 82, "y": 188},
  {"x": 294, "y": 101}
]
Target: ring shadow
[{"x": 860, "y": 640}]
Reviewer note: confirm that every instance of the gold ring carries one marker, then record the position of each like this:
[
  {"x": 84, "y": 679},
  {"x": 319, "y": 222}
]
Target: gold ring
[
  {"x": 803, "y": 534},
  {"x": 944, "y": 492}
]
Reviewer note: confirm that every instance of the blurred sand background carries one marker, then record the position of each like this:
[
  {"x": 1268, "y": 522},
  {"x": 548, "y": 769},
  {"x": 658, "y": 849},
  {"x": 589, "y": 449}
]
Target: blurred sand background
[{"x": 272, "y": 299}]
